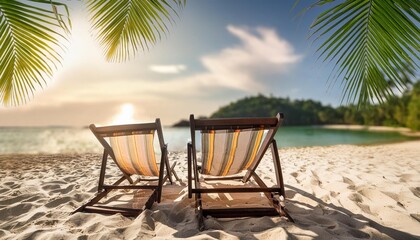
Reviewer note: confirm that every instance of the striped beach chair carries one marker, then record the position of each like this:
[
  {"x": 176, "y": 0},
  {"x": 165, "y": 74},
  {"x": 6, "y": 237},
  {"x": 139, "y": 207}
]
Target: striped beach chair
[
  {"x": 231, "y": 149},
  {"x": 131, "y": 147}
]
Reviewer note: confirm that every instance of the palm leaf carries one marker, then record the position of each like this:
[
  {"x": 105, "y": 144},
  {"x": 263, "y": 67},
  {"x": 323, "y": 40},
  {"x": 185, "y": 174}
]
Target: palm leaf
[
  {"x": 125, "y": 26},
  {"x": 370, "y": 42},
  {"x": 29, "y": 46}
]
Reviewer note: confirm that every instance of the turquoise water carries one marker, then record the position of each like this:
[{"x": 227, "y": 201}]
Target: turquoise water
[
  {"x": 81, "y": 140},
  {"x": 316, "y": 136}
]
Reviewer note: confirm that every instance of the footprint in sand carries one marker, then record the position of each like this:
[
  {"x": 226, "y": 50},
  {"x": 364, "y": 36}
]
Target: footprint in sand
[
  {"x": 4, "y": 190},
  {"x": 58, "y": 202},
  {"x": 415, "y": 216},
  {"x": 65, "y": 190},
  {"x": 51, "y": 187},
  {"x": 408, "y": 177},
  {"x": 47, "y": 223},
  {"x": 36, "y": 216},
  {"x": 349, "y": 182},
  {"x": 10, "y": 184},
  {"x": 334, "y": 194},
  {"x": 15, "y": 210},
  {"x": 3, "y": 233},
  {"x": 294, "y": 174},
  {"x": 355, "y": 197},
  {"x": 415, "y": 191},
  {"x": 16, "y": 199},
  {"x": 315, "y": 179}
]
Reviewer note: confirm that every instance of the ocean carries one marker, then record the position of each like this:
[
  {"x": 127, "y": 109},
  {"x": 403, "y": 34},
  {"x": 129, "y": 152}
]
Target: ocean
[{"x": 81, "y": 140}]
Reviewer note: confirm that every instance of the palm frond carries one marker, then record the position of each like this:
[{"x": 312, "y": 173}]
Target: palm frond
[
  {"x": 370, "y": 42},
  {"x": 125, "y": 26},
  {"x": 29, "y": 46}
]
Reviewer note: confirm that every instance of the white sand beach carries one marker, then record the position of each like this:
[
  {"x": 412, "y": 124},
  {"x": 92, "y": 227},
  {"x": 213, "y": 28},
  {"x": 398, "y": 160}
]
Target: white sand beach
[{"x": 337, "y": 192}]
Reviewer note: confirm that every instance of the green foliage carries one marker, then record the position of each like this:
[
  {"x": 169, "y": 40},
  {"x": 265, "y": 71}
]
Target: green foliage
[
  {"x": 299, "y": 112},
  {"x": 398, "y": 111},
  {"x": 124, "y": 26},
  {"x": 30, "y": 35},
  {"x": 413, "y": 119},
  {"x": 370, "y": 42}
]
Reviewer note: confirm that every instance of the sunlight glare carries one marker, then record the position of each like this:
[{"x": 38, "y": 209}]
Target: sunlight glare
[{"x": 125, "y": 115}]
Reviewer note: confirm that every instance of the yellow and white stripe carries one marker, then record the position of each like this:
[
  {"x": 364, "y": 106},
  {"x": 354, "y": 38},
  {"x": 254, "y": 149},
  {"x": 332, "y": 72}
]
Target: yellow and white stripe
[
  {"x": 135, "y": 153},
  {"x": 227, "y": 152}
]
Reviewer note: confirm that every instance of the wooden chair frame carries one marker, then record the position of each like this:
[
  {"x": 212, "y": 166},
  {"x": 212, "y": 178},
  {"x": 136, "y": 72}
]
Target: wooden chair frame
[
  {"x": 273, "y": 194},
  {"x": 104, "y": 189}
]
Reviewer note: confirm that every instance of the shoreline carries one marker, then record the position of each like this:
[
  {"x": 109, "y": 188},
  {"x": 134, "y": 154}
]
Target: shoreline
[
  {"x": 332, "y": 192},
  {"x": 402, "y": 130}
]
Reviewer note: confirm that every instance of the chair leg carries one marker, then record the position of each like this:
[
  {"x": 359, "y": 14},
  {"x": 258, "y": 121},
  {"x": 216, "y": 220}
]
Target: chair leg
[
  {"x": 200, "y": 219},
  {"x": 90, "y": 205},
  {"x": 286, "y": 214},
  {"x": 279, "y": 206},
  {"x": 277, "y": 166},
  {"x": 151, "y": 200},
  {"x": 162, "y": 175},
  {"x": 171, "y": 170},
  {"x": 189, "y": 160},
  {"x": 279, "y": 177},
  {"x": 174, "y": 173},
  {"x": 102, "y": 173},
  {"x": 199, "y": 209}
]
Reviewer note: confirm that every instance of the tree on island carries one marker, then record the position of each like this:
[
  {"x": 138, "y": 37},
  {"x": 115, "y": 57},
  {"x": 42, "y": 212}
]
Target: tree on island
[
  {"x": 309, "y": 112},
  {"x": 413, "y": 119}
]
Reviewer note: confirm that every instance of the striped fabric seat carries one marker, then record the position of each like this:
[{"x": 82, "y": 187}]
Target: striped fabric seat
[
  {"x": 135, "y": 153},
  {"x": 131, "y": 148},
  {"x": 234, "y": 147},
  {"x": 227, "y": 152}
]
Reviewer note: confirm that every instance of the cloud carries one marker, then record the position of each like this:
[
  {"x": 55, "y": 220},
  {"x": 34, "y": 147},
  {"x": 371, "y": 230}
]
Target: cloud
[
  {"x": 261, "y": 52},
  {"x": 168, "y": 69},
  {"x": 239, "y": 69},
  {"x": 269, "y": 48},
  {"x": 240, "y": 66}
]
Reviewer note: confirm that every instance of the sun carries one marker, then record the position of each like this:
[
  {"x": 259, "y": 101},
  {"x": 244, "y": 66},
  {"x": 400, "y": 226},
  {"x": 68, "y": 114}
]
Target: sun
[{"x": 125, "y": 115}]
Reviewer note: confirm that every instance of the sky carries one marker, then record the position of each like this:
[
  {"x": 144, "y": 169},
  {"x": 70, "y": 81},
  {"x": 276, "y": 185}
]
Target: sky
[{"x": 216, "y": 52}]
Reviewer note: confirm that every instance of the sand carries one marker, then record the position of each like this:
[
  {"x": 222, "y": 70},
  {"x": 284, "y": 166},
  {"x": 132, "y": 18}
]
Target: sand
[
  {"x": 337, "y": 192},
  {"x": 402, "y": 130}
]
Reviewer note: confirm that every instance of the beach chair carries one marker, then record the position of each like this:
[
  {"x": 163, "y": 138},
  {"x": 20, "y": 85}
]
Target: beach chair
[
  {"x": 232, "y": 149},
  {"x": 131, "y": 147}
]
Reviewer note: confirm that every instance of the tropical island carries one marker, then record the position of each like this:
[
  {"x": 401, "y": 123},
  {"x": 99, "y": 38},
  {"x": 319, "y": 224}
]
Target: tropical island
[{"x": 398, "y": 111}]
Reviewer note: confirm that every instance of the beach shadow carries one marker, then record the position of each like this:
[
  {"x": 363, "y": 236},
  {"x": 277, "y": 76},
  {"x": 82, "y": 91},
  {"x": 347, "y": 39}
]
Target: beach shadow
[
  {"x": 183, "y": 213},
  {"x": 227, "y": 228},
  {"x": 219, "y": 228},
  {"x": 344, "y": 216}
]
